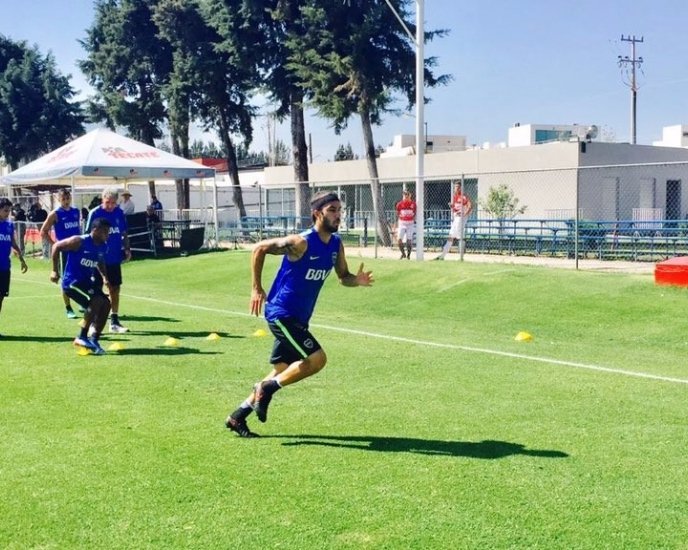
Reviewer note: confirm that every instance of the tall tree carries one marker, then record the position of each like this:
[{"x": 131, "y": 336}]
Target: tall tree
[
  {"x": 278, "y": 21},
  {"x": 355, "y": 60},
  {"x": 36, "y": 111},
  {"x": 178, "y": 22},
  {"x": 127, "y": 64},
  {"x": 226, "y": 49}
]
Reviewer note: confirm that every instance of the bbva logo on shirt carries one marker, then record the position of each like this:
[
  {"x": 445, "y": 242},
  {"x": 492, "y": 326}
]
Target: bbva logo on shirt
[
  {"x": 88, "y": 263},
  {"x": 317, "y": 274},
  {"x": 6, "y": 237},
  {"x": 114, "y": 229}
]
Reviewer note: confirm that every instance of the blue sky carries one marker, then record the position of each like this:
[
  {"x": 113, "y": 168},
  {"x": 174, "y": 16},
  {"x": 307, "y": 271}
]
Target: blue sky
[{"x": 534, "y": 61}]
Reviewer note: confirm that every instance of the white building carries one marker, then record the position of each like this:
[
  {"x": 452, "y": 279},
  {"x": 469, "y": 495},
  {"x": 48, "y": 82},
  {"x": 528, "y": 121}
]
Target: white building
[
  {"x": 405, "y": 144},
  {"x": 521, "y": 135},
  {"x": 673, "y": 136}
]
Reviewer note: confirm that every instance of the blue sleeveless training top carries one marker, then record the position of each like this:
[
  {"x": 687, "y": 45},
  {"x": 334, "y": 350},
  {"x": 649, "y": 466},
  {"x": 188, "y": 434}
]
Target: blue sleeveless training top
[
  {"x": 297, "y": 285},
  {"x": 81, "y": 264}
]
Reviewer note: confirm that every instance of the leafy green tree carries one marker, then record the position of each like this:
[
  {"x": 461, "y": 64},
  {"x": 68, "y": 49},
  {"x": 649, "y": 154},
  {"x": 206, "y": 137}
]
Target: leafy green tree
[
  {"x": 344, "y": 152},
  {"x": 222, "y": 59},
  {"x": 279, "y": 21},
  {"x": 36, "y": 114},
  {"x": 354, "y": 60},
  {"x": 126, "y": 64},
  {"x": 501, "y": 203}
]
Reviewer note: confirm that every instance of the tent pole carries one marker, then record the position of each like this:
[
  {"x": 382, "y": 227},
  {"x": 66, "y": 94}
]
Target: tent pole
[{"x": 215, "y": 217}]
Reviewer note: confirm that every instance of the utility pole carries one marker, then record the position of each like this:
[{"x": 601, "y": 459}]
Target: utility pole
[{"x": 634, "y": 62}]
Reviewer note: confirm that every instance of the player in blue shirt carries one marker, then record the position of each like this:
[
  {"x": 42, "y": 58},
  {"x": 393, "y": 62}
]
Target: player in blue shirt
[
  {"x": 66, "y": 222},
  {"x": 85, "y": 260},
  {"x": 308, "y": 260},
  {"x": 7, "y": 244},
  {"x": 118, "y": 250}
]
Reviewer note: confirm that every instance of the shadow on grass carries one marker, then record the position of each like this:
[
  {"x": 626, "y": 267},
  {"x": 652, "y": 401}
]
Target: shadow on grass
[
  {"x": 487, "y": 449},
  {"x": 162, "y": 351},
  {"x": 32, "y": 338},
  {"x": 147, "y": 318},
  {"x": 182, "y": 334}
]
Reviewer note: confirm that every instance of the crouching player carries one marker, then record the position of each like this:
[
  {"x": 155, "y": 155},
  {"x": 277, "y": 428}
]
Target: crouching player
[{"x": 85, "y": 257}]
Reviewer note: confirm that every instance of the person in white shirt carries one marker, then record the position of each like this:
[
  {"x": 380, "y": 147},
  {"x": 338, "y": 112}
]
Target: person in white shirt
[
  {"x": 127, "y": 205},
  {"x": 461, "y": 207}
]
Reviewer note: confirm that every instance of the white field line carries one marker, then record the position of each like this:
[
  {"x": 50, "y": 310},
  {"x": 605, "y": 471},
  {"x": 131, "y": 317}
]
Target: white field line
[
  {"x": 525, "y": 357},
  {"x": 368, "y": 334},
  {"x": 461, "y": 281}
]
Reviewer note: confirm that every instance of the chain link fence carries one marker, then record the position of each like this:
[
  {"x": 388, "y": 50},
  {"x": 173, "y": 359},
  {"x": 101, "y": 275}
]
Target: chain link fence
[{"x": 635, "y": 212}]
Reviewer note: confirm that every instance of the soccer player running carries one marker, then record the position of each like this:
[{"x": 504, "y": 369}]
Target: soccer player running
[
  {"x": 308, "y": 259},
  {"x": 118, "y": 250},
  {"x": 7, "y": 244},
  {"x": 66, "y": 221},
  {"x": 85, "y": 258}
]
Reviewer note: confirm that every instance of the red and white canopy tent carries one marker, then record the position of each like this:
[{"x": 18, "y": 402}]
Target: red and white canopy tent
[{"x": 102, "y": 155}]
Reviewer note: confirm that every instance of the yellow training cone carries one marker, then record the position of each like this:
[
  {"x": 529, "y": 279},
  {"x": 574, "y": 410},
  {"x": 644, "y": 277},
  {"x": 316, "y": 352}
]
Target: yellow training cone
[
  {"x": 523, "y": 337},
  {"x": 171, "y": 342},
  {"x": 83, "y": 351},
  {"x": 213, "y": 336},
  {"x": 260, "y": 332},
  {"x": 115, "y": 347}
]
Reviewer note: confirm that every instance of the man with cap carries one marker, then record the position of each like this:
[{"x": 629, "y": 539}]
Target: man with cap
[
  {"x": 127, "y": 205},
  {"x": 118, "y": 250},
  {"x": 308, "y": 258}
]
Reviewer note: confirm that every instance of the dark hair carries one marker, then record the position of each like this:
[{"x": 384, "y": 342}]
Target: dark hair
[
  {"x": 100, "y": 222},
  {"x": 323, "y": 198},
  {"x": 64, "y": 193},
  {"x": 319, "y": 200},
  {"x": 4, "y": 202}
]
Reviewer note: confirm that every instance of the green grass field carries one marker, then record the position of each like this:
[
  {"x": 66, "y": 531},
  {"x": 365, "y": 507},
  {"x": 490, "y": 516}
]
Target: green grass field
[{"x": 430, "y": 427}]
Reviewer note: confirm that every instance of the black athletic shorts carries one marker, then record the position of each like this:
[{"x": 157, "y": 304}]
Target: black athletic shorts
[
  {"x": 82, "y": 292},
  {"x": 5, "y": 283},
  {"x": 293, "y": 341},
  {"x": 114, "y": 274}
]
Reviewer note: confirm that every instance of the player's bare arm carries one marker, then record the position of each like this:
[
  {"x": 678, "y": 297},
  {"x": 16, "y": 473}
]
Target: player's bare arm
[
  {"x": 47, "y": 225},
  {"x": 360, "y": 278},
  {"x": 69, "y": 244},
  {"x": 18, "y": 252},
  {"x": 293, "y": 246}
]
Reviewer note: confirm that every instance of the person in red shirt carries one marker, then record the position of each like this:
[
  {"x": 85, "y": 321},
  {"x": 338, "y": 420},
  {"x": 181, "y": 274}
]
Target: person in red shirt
[
  {"x": 461, "y": 207},
  {"x": 406, "y": 224}
]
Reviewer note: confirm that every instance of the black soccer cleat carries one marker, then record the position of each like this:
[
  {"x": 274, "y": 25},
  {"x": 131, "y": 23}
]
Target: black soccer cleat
[
  {"x": 262, "y": 400},
  {"x": 239, "y": 427}
]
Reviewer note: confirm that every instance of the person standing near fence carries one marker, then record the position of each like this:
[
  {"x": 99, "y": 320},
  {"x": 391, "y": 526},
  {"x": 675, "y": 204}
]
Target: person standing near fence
[
  {"x": 38, "y": 215},
  {"x": 461, "y": 207},
  {"x": 65, "y": 220},
  {"x": 7, "y": 244},
  {"x": 308, "y": 258},
  {"x": 19, "y": 217},
  {"x": 406, "y": 224},
  {"x": 118, "y": 250},
  {"x": 127, "y": 205}
]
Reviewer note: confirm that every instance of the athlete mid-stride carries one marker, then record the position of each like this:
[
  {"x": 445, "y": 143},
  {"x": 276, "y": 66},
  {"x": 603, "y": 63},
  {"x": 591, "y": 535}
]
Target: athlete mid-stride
[{"x": 308, "y": 259}]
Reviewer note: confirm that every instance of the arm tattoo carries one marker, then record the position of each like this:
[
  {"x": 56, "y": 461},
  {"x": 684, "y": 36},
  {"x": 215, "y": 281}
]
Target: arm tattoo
[{"x": 281, "y": 246}]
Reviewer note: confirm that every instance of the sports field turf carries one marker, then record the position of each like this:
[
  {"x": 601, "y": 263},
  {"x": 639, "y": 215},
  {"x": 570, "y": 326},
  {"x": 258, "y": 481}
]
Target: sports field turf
[{"x": 430, "y": 427}]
